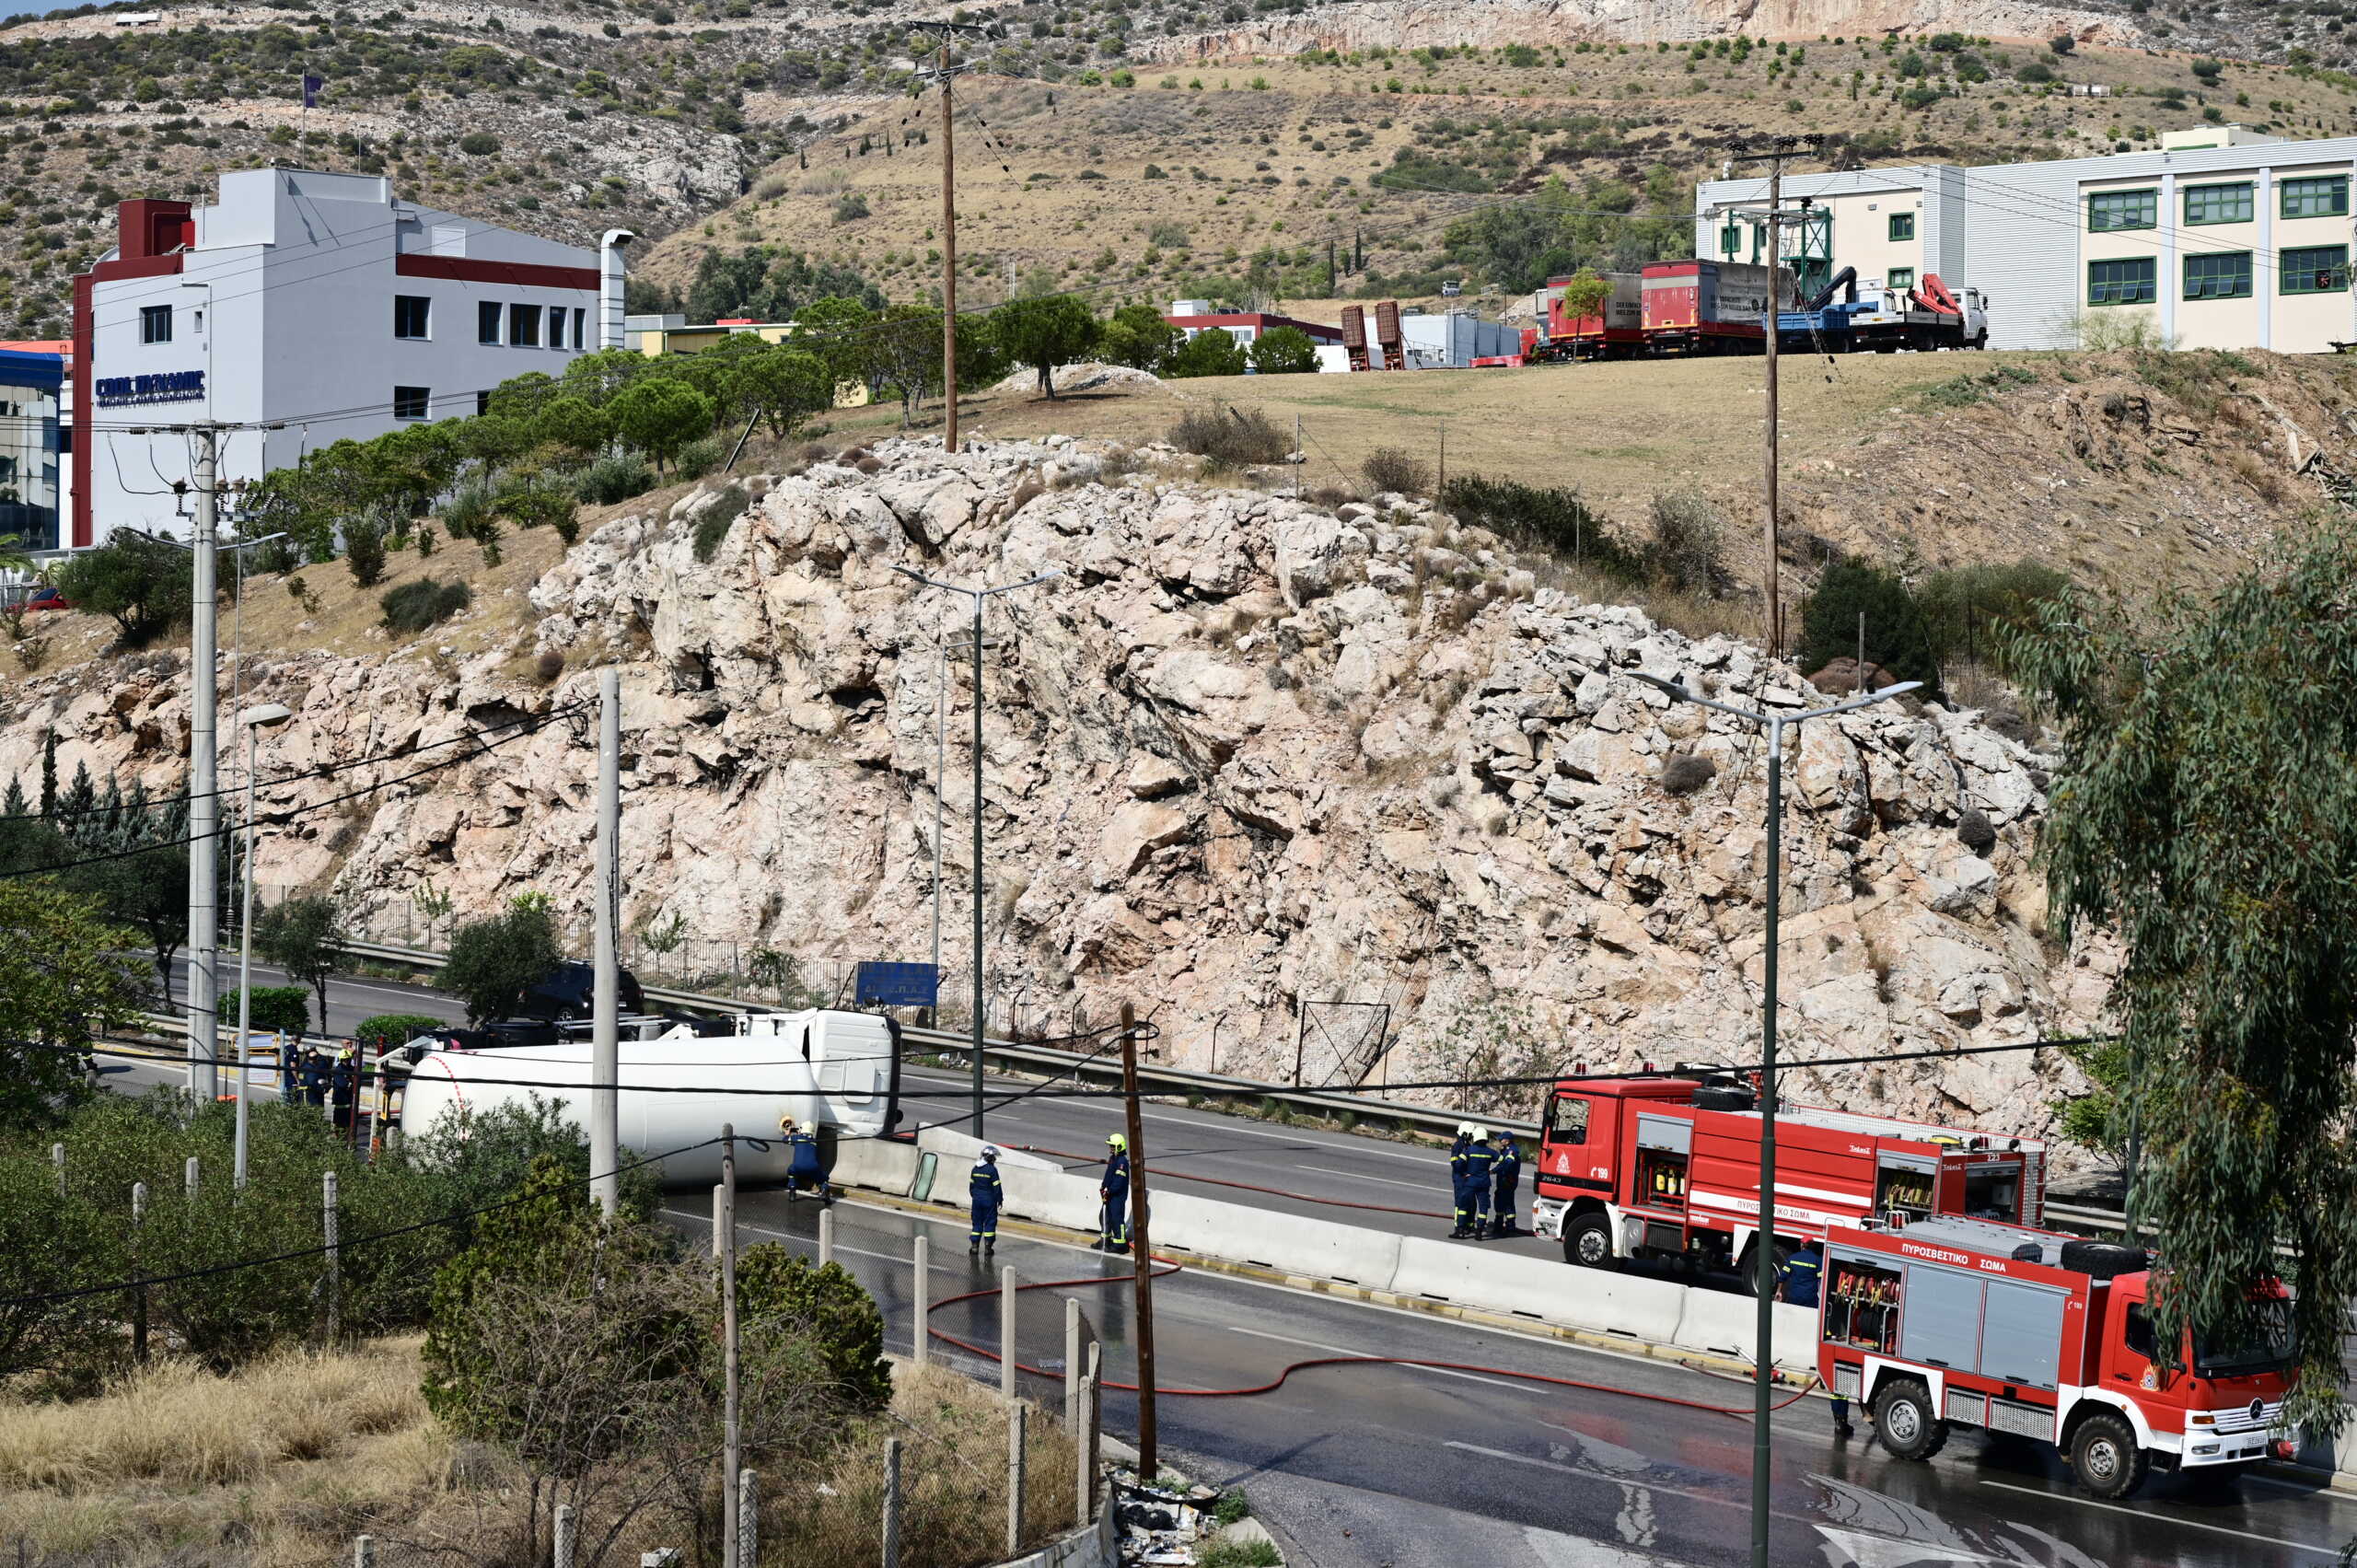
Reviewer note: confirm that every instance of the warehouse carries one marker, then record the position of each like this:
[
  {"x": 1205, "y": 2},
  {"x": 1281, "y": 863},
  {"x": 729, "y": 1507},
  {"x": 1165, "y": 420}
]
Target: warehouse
[
  {"x": 2220, "y": 237},
  {"x": 320, "y": 305}
]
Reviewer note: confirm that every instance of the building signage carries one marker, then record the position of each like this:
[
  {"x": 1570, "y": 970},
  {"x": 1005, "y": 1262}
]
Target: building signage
[{"x": 171, "y": 387}]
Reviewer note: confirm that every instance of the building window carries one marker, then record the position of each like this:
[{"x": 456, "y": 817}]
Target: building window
[
  {"x": 524, "y": 326},
  {"x": 1901, "y": 277},
  {"x": 2110, "y": 210},
  {"x": 1731, "y": 239},
  {"x": 2321, "y": 196},
  {"x": 1902, "y": 226},
  {"x": 155, "y": 323},
  {"x": 482, "y": 403},
  {"x": 412, "y": 316},
  {"x": 2132, "y": 282},
  {"x": 2224, "y": 276},
  {"x": 556, "y": 326},
  {"x": 2218, "y": 204},
  {"x": 409, "y": 402},
  {"x": 2314, "y": 268},
  {"x": 580, "y": 319},
  {"x": 488, "y": 316}
]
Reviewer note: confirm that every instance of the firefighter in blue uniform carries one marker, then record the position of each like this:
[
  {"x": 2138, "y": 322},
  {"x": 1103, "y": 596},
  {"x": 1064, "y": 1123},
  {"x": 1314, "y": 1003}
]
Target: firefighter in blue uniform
[
  {"x": 1114, "y": 1234},
  {"x": 1798, "y": 1283},
  {"x": 290, "y": 1072},
  {"x": 315, "y": 1077},
  {"x": 1481, "y": 1163},
  {"x": 1457, "y": 1181},
  {"x": 802, "y": 1168},
  {"x": 985, "y": 1193},
  {"x": 343, "y": 1089},
  {"x": 1506, "y": 1178}
]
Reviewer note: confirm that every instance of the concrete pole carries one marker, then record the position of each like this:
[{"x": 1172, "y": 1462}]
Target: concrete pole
[
  {"x": 826, "y": 1237},
  {"x": 364, "y": 1552},
  {"x": 605, "y": 1050},
  {"x": 940, "y": 783},
  {"x": 1764, "y": 1241},
  {"x": 1084, "y": 1438},
  {"x": 563, "y": 1556},
  {"x": 335, "y": 1267},
  {"x": 57, "y": 1158},
  {"x": 246, "y": 956},
  {"x": 1140, "y": 1247},
  {"x": 749, "y": 1517},
  {"x": 1015, "y": 1478},
  {"x": 978, "y": 865},
  {"x": 733, "y": 1438},
  {"x": 948, "y": 269},
  {"x": 891, "y": 1502},
  {"x": 919, "y": 1354},
  {"x": 203, "y": 806},
  {"x": 190, "y": 1176},
  {"x": 1775, "y": 304},
  {"x": 139, "y": 1296},
  {"x": 1072, "y": 1362},
  {"x": 1007, "y": 1334}
]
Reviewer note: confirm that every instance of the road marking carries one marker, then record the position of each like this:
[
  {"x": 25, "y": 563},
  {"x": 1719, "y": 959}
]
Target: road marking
[
  {"x": 1340, "y": 1350},
  {"x": 1354, "y": 1176},
  {"x": 2164, "y": 1519}
]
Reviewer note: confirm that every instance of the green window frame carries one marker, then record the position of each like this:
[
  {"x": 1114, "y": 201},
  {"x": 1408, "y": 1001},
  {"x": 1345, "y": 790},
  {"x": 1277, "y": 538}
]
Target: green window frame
[
  {"x": 2132, "y": 280},
  {"x": 2110, "y": 211},
  {"x": 2220, "y": 204},
  {"x": 1902, "y": 226},
  {"x": 2316, "y": 196},
  {"x": 1730, "y": 239},
  {"x": 2218, "y": 274},
  {"x": 2313, "y": 269},
  {"x": 1899, "y": 277}
]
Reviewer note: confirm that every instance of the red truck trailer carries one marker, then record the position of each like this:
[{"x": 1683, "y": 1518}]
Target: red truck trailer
[
  {"x": 1946, "y": 1322},
  {"x": 1704, "y": 306},
  {"x": 1616, "y": 332},
  {"x": 1669, "y": 1167}
]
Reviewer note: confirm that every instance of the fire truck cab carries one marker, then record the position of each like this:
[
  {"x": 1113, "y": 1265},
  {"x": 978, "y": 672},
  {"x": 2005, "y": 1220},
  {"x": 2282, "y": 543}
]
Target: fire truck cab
[
  {"x": 1949, "y": 1322},
  {"x": 1669, "y": 1168}
]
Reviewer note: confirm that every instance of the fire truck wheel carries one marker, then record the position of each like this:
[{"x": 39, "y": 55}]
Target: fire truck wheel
[
  {"x": 1587, "y": 1241},
  {"x": 2105, "y": 1453},
  {"x": 1904, "y": 1417},
  {"x": 1747, "y": 1266}
]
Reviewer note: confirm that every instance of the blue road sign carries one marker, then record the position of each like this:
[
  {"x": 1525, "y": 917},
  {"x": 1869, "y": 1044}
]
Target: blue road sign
[{"x": 897, "y": 985}]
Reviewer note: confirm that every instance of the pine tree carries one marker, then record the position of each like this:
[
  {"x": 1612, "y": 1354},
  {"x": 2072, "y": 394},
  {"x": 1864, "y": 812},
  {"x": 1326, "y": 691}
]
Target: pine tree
[
  {"x": 48, "y": 774},
  {"x": 81, "y": 797},
  {"x": 13, "y": 804}
]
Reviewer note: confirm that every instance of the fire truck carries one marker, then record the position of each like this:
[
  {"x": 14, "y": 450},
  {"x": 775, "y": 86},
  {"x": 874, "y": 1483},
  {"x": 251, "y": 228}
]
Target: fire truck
[
  {"x": 1669, "y": 1168},
  {"x": 1940, "y": 1323}
]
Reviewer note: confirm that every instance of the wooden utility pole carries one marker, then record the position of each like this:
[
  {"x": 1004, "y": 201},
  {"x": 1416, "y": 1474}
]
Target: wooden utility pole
[
  {"x": 1782, "y": 147},
  {"x": 731, "y": 1438},
  {"x": 1140, "y": 1246},
  {"x": 948, "y": 271}
]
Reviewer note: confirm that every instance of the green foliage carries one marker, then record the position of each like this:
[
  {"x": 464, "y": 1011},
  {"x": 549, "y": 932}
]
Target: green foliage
[
  {"x": 660, "y": 417},
  {"x": 142, "y": 584},
  {"x": 1971, "y": 610},
  {"x": 277, "y": 1009},
  {"x": 62, "y": 982},
  {"x": 1897, "y": 638},
  {"x": 1209, "y": 353},
  {"x": 776, "y": 1288},
  {"x": 494, "y": 961},
  {"x": 364, "y": 550},
  {"x": 1586, "y": 294},
  {"x": 1606, "y": 225},
  {"x": 304, "y": 935},
  {"x": 423, "y": 602},
  {"x": 1045, "y": 331},
  {"x": 1229, "y": 437},
  {"x": 2204, "y": 817},
  {"x": 1395, "y": 470},
  {"x": 850, "y": 207},
  {"x": 1554, "y": 519},
  {"x": 386, "y": 1029},
  {"x": 478, "y": 144},
  {"x": 713, "y": 525},
  {"x": 1139, "y": 338},
  {"x": 770, "y": 284},
  {"x": 614, "y": 479},
  {"x": 1283, "y": 351}
]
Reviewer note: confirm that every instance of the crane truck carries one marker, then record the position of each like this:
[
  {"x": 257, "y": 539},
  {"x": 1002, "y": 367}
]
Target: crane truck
[
  {"x": 1940, "y": 1323},
  {"x": 835, "y": 1072}
]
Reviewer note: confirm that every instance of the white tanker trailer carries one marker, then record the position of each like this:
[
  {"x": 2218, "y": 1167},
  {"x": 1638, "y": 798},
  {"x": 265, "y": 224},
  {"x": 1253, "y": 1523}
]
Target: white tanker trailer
[{"x": 837, "y": 1073}]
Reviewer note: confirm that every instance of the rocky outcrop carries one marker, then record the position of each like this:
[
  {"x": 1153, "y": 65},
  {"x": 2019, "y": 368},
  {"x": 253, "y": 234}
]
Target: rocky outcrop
[
  {"x": 1359, "y": 25},
  {"x": 1245, "y": 760}
]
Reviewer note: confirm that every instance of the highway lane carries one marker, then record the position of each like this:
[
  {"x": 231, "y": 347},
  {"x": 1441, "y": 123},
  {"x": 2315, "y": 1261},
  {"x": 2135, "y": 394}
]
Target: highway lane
[{"x": 1427, "y": 1465}]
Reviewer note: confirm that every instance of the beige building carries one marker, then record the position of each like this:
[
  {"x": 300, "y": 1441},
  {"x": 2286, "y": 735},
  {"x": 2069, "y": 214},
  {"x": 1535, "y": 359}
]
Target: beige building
[{"x": 2222, "y": 238}]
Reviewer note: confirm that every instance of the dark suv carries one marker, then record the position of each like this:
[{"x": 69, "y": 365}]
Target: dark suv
[{"x": 569, "y": 991}]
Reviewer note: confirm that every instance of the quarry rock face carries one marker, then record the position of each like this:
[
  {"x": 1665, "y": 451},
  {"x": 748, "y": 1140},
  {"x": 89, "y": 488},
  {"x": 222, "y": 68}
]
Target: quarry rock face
[{"x": 1246, "y": 761}]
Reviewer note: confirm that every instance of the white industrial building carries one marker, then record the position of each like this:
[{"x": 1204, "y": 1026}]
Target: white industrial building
[
  {"x": 321, "y": 305},
  {"x": 2221, "y": 237}
]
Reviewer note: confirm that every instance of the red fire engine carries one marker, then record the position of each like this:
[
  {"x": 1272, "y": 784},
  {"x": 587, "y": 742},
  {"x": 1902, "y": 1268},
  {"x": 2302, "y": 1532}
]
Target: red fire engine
[
  {"x": 1633, "y": 1168},
  {"x": 1948, "y": 1322}
]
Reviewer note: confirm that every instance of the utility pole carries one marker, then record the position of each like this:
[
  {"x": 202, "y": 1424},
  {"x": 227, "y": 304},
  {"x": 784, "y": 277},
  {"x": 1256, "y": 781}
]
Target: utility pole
[
  {"x": 203, "y": 806},
  {"x": 949, "y": 273},
  {"x": 732, "y": 1459},
  {"x": 1775, "y": 155},
  {"x": 1140, "y": 1246},
  {"x": 605, "y": 1047}
]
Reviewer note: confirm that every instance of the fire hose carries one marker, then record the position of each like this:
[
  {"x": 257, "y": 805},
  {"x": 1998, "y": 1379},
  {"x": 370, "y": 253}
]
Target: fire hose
[
  {"x": 1163, "y": 1172},
  {"x": 1164, "y": 1266}
]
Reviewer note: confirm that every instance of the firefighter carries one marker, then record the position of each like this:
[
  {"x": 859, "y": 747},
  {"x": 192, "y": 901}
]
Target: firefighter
[
  {"x": 1457, "y": 1179},
  {"x": 1114, "y": 1234},
  {"x": 343, "y": 1089},
  {"x": 315, "y": 1077},
  {"x": 802, "y": 1169},
  {"x": 1502, "y": 1184},
  {"x": 1481, "y": 1163},
  {"x": 1797, "y": 1284},
  {"x": 984, "y": 1193},
  {"x": 290, "y": 1072}
]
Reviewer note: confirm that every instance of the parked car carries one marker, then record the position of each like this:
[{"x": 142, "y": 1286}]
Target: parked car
[
  {"x": 46, "y": 597},
  {"x": 569, "y": 991}
]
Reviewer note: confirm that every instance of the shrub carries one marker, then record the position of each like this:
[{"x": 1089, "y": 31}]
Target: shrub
[
  {"x": 478, "y": 144},
  {"x": 1896, "y": 636},
  {"x": 1284, "y": 351},
  {"x": 277, "y": 1009},
  {"x": 496, "y": 961},
  {"x": 712, "y": 526},
  {"x": 1230, "y": 438},
  {"x": 364, "y": 550},
  {"x": 142, "y": 584},
  {"x": 538, "y": 505},
  {"x": 413, "y": 607},
  {"x": 698, "y": 459},
  {"x": 613, "y": 479},
  {"x": 851, "y": 207},
  {"x": 1396, "y": 469},
  {"x": 1205, "y": 354},
  {"x": 1970, "y": 611},
  {"x": 1554, "y": 519},
  {"x": 549, "y": 666},
  {"x": 468, "y": 506},
  {"x": 778, "y": 1289},
  {"x": 2034, "y": 73},
  {"x": 1685, "y": 773},
  {"x": 389, "y": 1029},
  {"x": 1684, "y": 550}
]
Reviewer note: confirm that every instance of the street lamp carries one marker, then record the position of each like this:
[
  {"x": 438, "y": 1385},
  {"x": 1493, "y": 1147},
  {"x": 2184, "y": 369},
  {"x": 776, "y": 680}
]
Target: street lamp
[
  {"x": 1763, "y": 1241},
  {"x": 254, "y": 720},
  {"x": 977, "y": 596}
]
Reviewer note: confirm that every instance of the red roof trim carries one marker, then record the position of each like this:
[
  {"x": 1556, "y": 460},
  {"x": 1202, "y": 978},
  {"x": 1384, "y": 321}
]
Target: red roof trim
[{"x": 514, "y": 274}]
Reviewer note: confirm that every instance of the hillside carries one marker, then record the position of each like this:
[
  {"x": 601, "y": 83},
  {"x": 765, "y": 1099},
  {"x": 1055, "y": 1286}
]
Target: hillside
[{"x": 721, "y": 124}]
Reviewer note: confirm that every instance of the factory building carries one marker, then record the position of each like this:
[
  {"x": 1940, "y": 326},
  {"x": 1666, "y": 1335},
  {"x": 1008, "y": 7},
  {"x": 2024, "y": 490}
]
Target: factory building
[
  {"x": 2220, "y": 237},
  {"x": 320, "y": 305}
]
